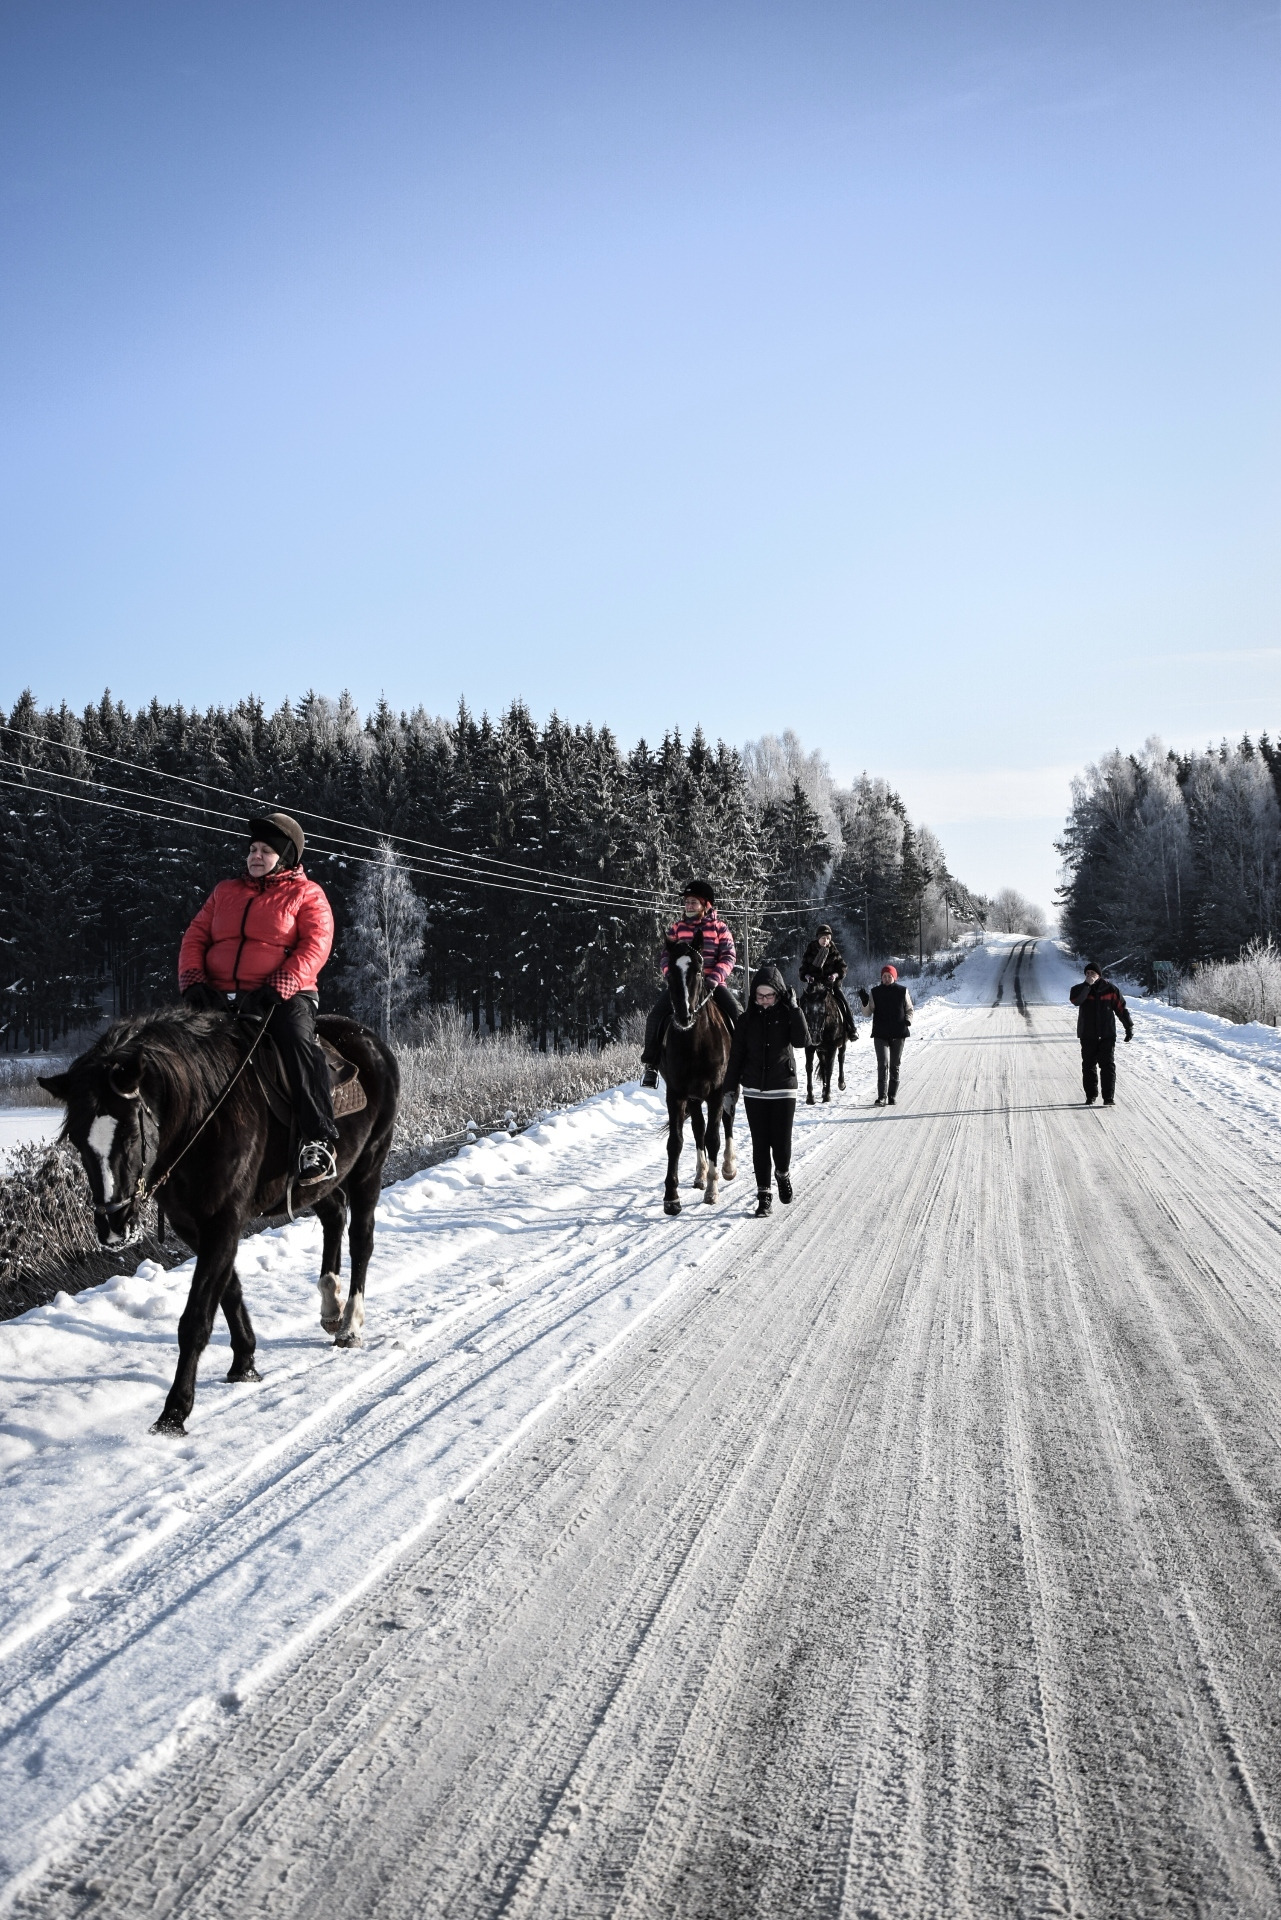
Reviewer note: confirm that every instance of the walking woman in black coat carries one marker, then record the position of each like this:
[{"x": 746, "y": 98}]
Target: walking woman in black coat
[{"x": 762, "y": 1062}]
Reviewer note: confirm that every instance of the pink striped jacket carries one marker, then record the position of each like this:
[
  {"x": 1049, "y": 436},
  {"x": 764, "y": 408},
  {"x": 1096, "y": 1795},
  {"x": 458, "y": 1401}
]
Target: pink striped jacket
[{"x": 717, "y": 942}]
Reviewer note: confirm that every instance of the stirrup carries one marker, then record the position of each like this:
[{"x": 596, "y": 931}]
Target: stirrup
[{"x": 650, "y": 1077}]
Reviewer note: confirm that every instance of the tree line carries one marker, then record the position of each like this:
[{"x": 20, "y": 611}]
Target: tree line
[
  {"x": 1172, "y": 859},
  {"x": 104, "y": 859}
]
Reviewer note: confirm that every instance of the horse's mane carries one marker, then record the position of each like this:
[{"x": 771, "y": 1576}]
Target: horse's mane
[{"x": 190, "y": 1052}]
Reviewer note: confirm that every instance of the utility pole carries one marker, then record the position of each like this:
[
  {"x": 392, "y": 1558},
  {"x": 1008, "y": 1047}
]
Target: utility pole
[{"x": 920, "y": 931}]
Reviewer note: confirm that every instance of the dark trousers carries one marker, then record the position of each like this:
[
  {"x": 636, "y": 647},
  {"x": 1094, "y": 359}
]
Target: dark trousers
[
  {"x": 888, "y": 1055},
  {"x": 293, "y": 1028},
  {"x": 661, "y": 1012},
  {"x": 1098, "y": 1062},
  {"x": 770, "y": 1122}
]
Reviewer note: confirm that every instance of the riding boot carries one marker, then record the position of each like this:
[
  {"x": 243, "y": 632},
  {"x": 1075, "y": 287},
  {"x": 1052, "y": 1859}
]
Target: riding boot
[
  {"x": 851, "y": 1031},
  {"x": 764, "y": 1203},
  {"x": 655, "y": 1033}
]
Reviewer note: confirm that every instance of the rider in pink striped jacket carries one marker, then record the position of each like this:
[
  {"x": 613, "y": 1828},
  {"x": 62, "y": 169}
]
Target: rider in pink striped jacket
[{"x": 700, "y": 922}]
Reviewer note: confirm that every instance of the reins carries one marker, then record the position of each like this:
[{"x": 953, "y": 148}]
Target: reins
[{"x": 143, "y": 1191}]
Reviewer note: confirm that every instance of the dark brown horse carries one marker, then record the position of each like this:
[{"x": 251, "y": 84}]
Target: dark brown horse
[
  {"x": 695, "y": 1057},
  {"x": 165, "y": 1101},
  {"x": 824, "y": 1019}
]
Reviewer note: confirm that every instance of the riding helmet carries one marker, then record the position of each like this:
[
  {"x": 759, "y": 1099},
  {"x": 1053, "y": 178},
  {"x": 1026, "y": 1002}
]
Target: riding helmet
[
  {"x": 701, "y": 890},
  {"x": 280, "y": 832}
]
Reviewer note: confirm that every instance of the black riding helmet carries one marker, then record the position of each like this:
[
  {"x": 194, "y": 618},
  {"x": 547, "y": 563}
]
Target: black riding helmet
[
  {"x": 701, "y": 890},
  {"x": 281, "y": 833}
]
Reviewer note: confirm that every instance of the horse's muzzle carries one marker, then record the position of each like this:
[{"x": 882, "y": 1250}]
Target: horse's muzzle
[{"x": 115, "y": 1222}]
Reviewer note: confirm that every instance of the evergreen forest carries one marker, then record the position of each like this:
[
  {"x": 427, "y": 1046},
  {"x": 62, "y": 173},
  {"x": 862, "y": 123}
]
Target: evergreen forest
[
  {"x": 1172, "y": 859},
  {"x": 544, "y": 860}
]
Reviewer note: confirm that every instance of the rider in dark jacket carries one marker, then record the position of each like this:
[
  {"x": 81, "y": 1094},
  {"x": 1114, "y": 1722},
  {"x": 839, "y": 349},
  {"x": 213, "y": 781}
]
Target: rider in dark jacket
[
  {"x": 890, "y": 1006},
  {"x": 762, "y": 1061},
  {"x": 824, "y": 966},
  {"x": 1099, "y": 1006}
]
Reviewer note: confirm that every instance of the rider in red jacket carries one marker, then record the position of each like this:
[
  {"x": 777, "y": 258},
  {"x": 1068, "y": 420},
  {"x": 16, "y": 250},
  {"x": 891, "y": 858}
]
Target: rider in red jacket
[{"x": 258, "y": 945}]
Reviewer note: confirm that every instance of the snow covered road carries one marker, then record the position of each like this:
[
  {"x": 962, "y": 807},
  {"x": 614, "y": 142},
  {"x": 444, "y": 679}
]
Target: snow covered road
[{"x": 917, "y": 1551}]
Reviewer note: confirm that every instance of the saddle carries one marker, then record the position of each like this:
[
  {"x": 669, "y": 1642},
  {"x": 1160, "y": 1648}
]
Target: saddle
[{"x": 345, "y": 1090}]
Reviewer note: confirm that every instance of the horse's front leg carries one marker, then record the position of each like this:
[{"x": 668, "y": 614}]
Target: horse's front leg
[
  {"x": 829, "y": 1060},
  {"x": 699, "y": 1128},
  {"x": 809, "y": 1076},
  {"x": 215, "y": 1263},
  {"x": 840, "y": 1055},
  {"x": 242, "y": 1333},
  {"x": 675, "y": 1141},
  {"x": 332, "y": 1214},
  {"x": 364, "y": 1201}
]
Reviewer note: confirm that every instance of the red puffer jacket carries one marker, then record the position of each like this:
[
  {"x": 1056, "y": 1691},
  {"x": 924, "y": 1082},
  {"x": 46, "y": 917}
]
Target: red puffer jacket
[{"x": 276, "y": 932}]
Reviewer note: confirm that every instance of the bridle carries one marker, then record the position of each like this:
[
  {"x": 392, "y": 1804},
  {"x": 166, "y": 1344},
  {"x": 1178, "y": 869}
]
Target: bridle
[
  {"x": 147, "y": 1189},
  {"x": 695, "y": 1006}
]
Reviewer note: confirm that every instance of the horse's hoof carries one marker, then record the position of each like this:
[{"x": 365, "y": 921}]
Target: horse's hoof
[
  {"x": 809, "y": 1099},
  {"x": 671, "y": 1206},
  {"x": 352, "y": 1339},
  {"x": 827, "y": 1099},
  {"x": 332, "y": 1324},
  {"x": 709, "y": 1197},
  {"x": 243, "y": 1370},
  {"x": 171, "y": 1425}
]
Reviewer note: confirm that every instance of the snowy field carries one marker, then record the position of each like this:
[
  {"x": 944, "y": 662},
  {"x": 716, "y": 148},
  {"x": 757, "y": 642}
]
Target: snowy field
[
  {"x": 913, "y": 1430},
  {"x": 18, "y": 1125}
]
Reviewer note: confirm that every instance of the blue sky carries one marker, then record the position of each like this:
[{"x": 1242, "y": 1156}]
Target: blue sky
[{"x": 902, "y": 373}]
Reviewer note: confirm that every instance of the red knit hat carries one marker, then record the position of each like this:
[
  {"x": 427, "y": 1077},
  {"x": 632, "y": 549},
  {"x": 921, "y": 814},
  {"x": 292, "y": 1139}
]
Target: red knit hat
[{"x": 892, "y": 971}]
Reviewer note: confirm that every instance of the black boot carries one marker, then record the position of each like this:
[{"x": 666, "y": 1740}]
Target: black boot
[
  {"x": 650, "y": 1077},
  {"x": 764, "y": 1203},
  {"x": 785, "y": 1188}
]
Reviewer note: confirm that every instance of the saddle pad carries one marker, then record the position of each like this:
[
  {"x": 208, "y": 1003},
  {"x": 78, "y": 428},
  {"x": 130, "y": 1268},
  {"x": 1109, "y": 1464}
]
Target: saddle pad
[{"x": 344, "y": 1081}]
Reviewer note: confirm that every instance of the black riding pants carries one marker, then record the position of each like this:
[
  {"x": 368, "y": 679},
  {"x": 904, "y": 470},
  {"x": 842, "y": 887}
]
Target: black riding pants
[
  {"x": 888, "y": 1055},
  {"x": 1098, "y": 1062},
  {"x": 293, "y": 1028},
  {"x": 661, "y": 1012},
  {"x": 770, "y": 1122}
]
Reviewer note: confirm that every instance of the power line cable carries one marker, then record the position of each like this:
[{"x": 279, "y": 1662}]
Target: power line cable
[
  {"x": 519, "y": 867},
  {"x": 440, "y": 863}
]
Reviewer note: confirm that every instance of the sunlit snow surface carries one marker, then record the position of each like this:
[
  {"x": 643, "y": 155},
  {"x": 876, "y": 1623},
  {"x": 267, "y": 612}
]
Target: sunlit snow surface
[{"x": 151, "y": 1585}]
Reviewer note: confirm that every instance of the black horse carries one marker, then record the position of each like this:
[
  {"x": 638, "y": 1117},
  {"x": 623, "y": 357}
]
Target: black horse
[
  {"x": 166, "y": 1101},
  {"x": 823, "y": 1017},
  {"x": 695, "y": 1057}
]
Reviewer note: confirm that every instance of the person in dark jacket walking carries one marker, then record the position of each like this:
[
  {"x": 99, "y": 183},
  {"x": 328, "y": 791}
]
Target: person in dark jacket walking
[
  {"x": 762, "y": 1061},
  {"x": 701, "y": 924},
  {"x": 824, "y": 966},
  {"x": 1099, "y": 1005},
  {"x": 256, "y": 948},
  {"x": 890, "y": 1006}
]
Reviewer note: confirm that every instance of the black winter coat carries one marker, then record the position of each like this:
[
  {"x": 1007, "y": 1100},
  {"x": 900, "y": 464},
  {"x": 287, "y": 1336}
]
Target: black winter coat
[
  {"x": 1098, "y": 1008},
  {"x": 890, "y": 1017},
  {"x": 822, "y": 963},
  {"x": 761, "y": 1059}
]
